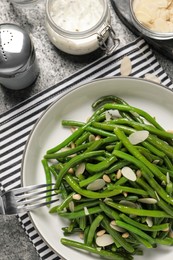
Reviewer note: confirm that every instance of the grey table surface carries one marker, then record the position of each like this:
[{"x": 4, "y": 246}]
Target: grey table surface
[{"x": 54, "y": 66}]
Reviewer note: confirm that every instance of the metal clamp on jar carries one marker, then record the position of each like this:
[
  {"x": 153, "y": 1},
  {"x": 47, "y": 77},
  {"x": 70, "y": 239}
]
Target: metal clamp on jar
[
  {"x": 80, "y": 27},
  {"x": 18, "y": 64}
]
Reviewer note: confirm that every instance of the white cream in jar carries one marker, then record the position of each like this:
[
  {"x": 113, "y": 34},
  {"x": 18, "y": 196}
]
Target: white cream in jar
[{"x": 78, "y": 27}]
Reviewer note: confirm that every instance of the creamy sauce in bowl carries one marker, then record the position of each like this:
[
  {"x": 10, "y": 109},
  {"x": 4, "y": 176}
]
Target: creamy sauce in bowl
[{"x": 76, "y": 15}]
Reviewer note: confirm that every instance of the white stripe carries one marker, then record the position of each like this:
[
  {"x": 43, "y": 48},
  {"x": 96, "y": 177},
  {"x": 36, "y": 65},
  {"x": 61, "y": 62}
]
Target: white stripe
[
  {"x": 11, "y": 178},
  {"x": 14, "y": 144},
  {"x": 40, "y": 246},
  {"x": 9, "y": 171},
  {"x": 10, "y": 163},
  {"x": 13, "y": 185},
  {"x": 12, "y": 153},
  {"x": 23, "y": 131}
]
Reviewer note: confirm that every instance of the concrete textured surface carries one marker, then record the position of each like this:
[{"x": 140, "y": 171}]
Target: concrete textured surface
[{"x": 54, "y": 66}]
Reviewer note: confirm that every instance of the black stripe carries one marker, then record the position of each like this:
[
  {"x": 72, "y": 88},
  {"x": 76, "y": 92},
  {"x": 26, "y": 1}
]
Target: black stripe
[
  {"x": 11, "y": 165},
  {"x": 30, "y": 229},
  {"x": 14, "y": 140},
  {"x": 39, "y": 242},
  {"x": 23, "y": 217},
  {"x": 13, "y": 149},
  {"x": 5, "y": 177},
  {"x": 11, "y": 157},
  {"x": 41, "y": 250},
  {"x": 12, "y": 182},
  {"x": 50, "y": 254},
  {"x": 27, "y": 223},
  {"x": 34, "y": 236}
]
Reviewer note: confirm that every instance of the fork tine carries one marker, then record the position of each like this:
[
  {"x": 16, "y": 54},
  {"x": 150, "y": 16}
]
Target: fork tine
[
  {"x": 29, "y": 201},
  {"x": 35, "y": 206},
  {"x": 30, "y": 188},
  {"x": 30, "y": 195}
]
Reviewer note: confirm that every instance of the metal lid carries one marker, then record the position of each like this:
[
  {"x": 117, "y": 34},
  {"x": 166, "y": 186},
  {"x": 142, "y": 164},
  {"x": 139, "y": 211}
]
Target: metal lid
[{"x": 15, "y": 50}]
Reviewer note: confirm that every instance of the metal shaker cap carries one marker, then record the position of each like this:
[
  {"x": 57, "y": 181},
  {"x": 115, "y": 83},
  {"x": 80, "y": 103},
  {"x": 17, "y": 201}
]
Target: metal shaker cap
[{"x": 18, "y": 64}]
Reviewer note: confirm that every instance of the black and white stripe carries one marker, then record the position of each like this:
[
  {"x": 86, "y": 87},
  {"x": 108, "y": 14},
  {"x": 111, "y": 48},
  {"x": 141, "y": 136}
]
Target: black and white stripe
[{"x": 16, "y": 124}]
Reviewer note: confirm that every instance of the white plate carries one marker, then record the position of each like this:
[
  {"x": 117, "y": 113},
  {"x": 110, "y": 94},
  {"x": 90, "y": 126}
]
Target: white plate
[{"x": 155, "y": 99}]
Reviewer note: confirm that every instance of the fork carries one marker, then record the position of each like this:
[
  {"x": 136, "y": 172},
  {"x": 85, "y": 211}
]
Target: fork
[{"x": 26, "y": 199}]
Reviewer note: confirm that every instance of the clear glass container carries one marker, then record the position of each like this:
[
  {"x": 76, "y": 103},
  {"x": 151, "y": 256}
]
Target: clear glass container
[
  {"x": 80, "y": 27},
  {"x": 146, "y": 31},
  {"x": 25, "y": 3}
]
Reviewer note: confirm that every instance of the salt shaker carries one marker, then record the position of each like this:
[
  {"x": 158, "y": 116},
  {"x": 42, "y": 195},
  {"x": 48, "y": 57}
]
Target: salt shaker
[{"x": 18, "y": 63}]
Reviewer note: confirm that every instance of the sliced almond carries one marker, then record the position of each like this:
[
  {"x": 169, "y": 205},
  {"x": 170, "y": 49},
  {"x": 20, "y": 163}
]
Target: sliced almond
[
  {"x": 80, "y": 169},
  {"x": 128, "y": 203},
  {"x": 148, "y": 200},
  {"x": 152, "y": 77},
  {"x": 96, "y": 185},
  {"x": 76, "y": 196},
  {"x": 106, "y": 178},
  {"x": 149, "y": 221},
  {"x": 138, "y": 137},
  {"x": 86, "y": 211},
  {"x": 71, "y": 206},
  {"x": 101, "y": 233},
  {"x": 104, "y": 240},
  {"x": 128, "y": 173},
  {"x": 125, "y": 235},
  {"x": 126, "y": 66},
  {"x": 117, "y": 228}
]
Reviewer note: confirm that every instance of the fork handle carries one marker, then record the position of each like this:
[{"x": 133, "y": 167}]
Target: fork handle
[{"x": 2, "y": 211}]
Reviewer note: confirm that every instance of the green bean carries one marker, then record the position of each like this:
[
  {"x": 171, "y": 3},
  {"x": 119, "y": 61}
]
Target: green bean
[
  {"x": 138, "y": 212},
  {"x": 140, "y": 126},
  {"x": 143, "y": 241},
  {"x": 83, "y": 138},
  {"x": 69, "y": 139},
  {"x": 162, "y": 145},
  {"x": 82, "y": 222},
  {"x": 94, "y": 168},
  {"x": 48, "y": 180},
  {"x": 116, "y": 235},
  {"x": 138, "y": 155},
  {"x": 86, "y": 204},
  {"x": 81, "y": 213},
  {"x": 117, "y": 166},
  {"x": 147, "y": 174},
  {"x": 153, "y": 149},
  {"x": 73, "y": 162},
  {"x": 141, "y": 112},
  {"x": 112, "y": 214},
  {"x": 65, "y": 202},
  {"x": 85, "y": 182},
  {"x": 69, "y": 152},
  {"x": 162, "y": 204},
  {"x": 166, "y": 241},
  {"x": 128, "y": 189},
  {"x": 114, "y": 99},
  {"x": 135, "y": 230},
  {"x": 91, "y": 194},
  {"x": 143, "y": 226},
  {"x": 107, "y": 254},
  {"x": 95, "y": 224}
]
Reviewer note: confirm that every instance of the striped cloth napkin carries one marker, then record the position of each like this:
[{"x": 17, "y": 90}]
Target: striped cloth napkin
[{"x": 16, "y": 124}]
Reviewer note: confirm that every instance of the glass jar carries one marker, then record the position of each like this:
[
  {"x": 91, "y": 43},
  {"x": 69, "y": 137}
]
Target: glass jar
[
  {"x": 22, "y": 3},
  {"x": 80, "y": 27}
]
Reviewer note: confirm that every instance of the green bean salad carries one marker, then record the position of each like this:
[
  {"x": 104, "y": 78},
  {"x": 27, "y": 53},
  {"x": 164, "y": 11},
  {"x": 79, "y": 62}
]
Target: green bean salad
[{"x": 114, "y": 174}]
